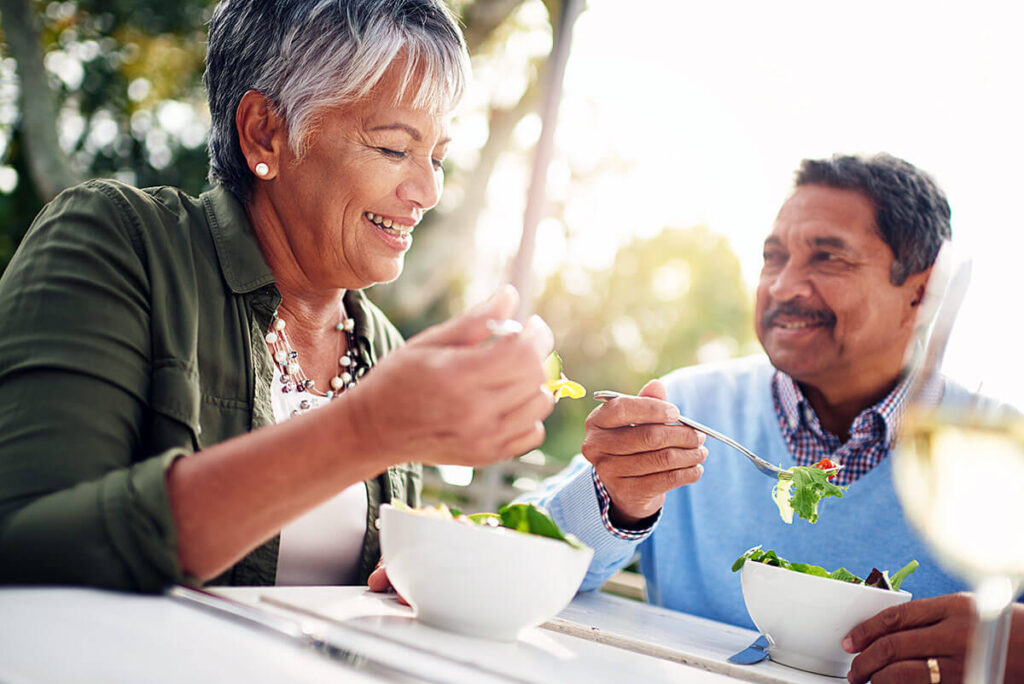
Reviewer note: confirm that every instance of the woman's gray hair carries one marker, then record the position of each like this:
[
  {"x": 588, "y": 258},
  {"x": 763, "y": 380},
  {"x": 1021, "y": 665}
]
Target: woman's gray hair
[{"x": 305, "y": 55}]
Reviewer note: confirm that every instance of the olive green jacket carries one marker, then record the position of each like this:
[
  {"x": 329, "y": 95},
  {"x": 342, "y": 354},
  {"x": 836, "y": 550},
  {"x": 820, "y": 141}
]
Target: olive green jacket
[{"x": 131, "y": 332}]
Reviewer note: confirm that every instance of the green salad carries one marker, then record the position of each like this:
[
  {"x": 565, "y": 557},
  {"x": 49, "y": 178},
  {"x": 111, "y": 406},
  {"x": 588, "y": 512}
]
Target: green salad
[
  {"x": 801, "y": 494},
  {"x": 877, "y": 578},
  {"x": 521, "y": 517}
]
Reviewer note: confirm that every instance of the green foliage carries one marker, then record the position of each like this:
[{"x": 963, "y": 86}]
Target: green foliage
[
  {"x": 669, "y": 301},
  {"x": 18, "y": 208},
  {"x": 127, "y": 78}
]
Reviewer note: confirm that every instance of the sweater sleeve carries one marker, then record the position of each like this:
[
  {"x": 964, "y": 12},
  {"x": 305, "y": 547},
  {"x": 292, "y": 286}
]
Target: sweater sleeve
[
  {"x": 572, "y": 500},
  {"x": 78, "y": 504}
]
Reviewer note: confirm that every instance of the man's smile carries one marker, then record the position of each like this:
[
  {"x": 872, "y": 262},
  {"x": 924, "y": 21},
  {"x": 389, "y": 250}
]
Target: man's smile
[
  {"x": 796, "y": 325},
  {"x": 790, "y": 316}
]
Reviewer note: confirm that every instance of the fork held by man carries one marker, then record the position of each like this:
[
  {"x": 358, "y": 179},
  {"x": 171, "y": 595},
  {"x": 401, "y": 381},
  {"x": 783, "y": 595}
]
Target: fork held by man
[{"x": 640, "y": 452}]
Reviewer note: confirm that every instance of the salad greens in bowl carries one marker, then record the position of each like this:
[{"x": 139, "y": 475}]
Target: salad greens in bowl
[
  {"x": 487, "y": 574},
  {"x": 805, "y": 610},
  {"x": 877, "y": 578}
]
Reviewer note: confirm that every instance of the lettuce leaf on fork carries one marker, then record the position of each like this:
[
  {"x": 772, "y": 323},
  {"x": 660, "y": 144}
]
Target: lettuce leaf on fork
[
  {"x": 557, "y": 383},
  {"x": 808, "y": 487}
]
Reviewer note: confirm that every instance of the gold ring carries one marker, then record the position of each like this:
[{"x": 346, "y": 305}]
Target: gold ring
[{"x": 935, "y": 677}]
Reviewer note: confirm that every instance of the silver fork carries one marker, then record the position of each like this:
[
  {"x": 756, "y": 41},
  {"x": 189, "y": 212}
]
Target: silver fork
[{"x": 764, "y": 466}]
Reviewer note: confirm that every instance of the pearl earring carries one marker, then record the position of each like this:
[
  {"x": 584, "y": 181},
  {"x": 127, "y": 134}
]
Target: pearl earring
[{"x": 262, "y": 169}]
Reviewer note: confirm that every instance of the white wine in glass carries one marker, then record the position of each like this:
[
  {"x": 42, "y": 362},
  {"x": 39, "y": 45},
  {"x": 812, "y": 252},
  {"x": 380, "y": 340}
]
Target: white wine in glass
[{"x": 959, "y": 462}]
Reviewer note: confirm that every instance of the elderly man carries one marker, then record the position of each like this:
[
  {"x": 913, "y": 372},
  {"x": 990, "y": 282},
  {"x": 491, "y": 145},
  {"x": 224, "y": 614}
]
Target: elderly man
[{"x": 845, "y": 270}]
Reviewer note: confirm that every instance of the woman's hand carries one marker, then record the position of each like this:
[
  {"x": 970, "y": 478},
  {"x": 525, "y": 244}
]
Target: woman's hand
[{"x": 454, "y": 395}]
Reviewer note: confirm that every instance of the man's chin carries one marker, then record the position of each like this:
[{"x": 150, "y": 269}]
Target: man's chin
[{"x": 797, "y": 364}]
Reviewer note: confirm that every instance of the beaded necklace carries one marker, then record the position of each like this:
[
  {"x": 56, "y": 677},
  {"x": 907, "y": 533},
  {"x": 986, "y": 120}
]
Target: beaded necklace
[{"x": 294, "y": 379}]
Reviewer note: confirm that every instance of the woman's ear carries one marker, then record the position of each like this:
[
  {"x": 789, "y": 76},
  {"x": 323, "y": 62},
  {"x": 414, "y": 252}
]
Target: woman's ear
[{"x": 261, "y": 134}]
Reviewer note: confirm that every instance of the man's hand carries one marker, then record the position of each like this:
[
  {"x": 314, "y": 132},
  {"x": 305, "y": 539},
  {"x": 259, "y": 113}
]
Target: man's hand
[
  {"x": 638, "y": 456},
  {"x": 895, "y": 645}
]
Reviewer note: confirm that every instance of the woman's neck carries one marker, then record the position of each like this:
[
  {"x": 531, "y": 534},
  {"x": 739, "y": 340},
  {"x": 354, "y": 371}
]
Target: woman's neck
[{"x": 311, "y": 324}]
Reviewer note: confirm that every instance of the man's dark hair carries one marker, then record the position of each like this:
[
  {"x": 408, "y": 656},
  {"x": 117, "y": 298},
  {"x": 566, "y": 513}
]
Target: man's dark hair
[{"x": 911, "y": 212}]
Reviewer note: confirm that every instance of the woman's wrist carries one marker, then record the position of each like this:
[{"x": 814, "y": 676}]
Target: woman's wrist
[{"x": 351, "y": 428}]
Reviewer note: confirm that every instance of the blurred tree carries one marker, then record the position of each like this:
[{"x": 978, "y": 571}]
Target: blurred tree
[
  {"x": 50, "y": 168},
  {"x": 670, "y": 301},
  {"x": 98, "y": 88}
]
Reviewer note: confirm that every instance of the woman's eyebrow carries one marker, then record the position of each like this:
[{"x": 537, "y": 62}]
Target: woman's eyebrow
[{"x": 413, "y": 133}]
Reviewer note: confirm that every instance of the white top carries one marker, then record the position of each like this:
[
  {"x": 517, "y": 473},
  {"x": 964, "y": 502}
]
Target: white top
[{"x": 323, "y": 546}]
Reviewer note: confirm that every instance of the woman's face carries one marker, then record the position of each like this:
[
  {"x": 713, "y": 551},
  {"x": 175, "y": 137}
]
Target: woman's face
[{"x": 369, "y": 172}]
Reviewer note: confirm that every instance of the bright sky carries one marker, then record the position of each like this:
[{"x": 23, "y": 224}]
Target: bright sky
[
  {"x": 718, "y": 104},
  {"x": 710, "y": 108},
  {"x": 702, "y": 110}
]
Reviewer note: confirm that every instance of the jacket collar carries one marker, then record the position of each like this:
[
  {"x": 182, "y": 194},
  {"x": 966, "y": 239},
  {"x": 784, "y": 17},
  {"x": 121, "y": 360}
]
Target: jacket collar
[
  {"x": 357, "y": 306},
  {"x": 241, "y": 261}
]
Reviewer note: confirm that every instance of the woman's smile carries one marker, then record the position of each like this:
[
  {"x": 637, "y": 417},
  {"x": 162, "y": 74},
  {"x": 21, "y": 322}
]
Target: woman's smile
[
  {"x": 395, "y": 235},
  {"x": 400, "y": 228}
]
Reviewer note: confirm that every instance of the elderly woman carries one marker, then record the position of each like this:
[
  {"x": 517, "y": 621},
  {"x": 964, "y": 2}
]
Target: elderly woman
[{"x": 196, "y": 389}]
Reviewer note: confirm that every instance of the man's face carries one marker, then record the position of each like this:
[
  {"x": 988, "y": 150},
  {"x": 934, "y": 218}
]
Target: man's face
[{"x": 827, "y": 313}]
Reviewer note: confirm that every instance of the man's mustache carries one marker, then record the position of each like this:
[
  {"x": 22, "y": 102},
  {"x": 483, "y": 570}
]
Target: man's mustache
[{"x": 794, "y": 309}]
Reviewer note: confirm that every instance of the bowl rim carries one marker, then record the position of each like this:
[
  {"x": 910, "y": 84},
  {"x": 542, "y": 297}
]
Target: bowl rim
[
  {"x": 524, "y": 537},
  {"x": 890, "y": 592}
]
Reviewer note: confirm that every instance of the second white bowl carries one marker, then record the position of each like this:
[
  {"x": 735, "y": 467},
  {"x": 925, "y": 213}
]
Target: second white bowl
[{"x": 806, "y": 617}]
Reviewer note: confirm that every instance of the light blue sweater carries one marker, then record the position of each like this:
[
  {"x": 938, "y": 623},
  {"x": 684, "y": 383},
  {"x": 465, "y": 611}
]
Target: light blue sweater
[{"x": 704, "y": 527}]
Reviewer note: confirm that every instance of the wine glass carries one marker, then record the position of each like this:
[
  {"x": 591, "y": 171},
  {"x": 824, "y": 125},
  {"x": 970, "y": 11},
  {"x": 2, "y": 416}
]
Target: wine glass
[{"x": 959, "y": 463}]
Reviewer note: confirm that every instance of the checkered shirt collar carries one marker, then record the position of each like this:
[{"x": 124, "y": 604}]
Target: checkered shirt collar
[{"x": 872, "y": 433}]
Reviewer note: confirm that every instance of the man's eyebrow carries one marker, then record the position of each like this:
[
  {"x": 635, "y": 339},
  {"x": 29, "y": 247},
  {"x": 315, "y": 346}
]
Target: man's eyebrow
[
  {"x": 413, "y": 133},
  {"x": 772, "y": 241},
  {"x": 833, "y": 242}
]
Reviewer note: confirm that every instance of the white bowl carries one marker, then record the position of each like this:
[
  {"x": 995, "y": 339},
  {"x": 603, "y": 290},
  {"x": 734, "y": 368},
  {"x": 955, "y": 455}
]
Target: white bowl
[
  {"x": 480, "y": 581},
  {"x": 806, "y": 617}
]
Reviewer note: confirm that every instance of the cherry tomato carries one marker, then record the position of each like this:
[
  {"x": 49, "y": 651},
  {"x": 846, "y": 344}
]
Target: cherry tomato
[{"x": 825, "y": 464}]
